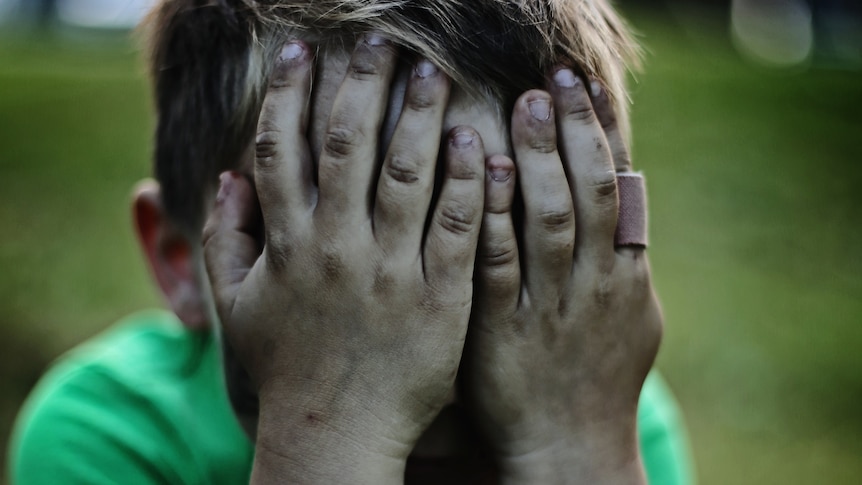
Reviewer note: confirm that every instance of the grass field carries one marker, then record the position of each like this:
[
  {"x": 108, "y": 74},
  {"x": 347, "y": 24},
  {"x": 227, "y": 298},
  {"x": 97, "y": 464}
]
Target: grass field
[{"x": 754, "y": 180}]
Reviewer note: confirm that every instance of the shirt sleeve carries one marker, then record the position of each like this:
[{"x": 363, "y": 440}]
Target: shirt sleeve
[
  {"x": 83, "y": 426},
  {"x": 663, "y": 437}
]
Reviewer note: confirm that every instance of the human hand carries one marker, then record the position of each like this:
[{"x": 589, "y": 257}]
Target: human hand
[
  {"x": 565, "y": 325},
  {"x": 351, "y": 321}
]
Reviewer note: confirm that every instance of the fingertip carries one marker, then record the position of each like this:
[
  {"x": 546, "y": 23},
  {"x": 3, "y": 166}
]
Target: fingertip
[
  {"x": 499, "y": 184},
  {"x": 602, "y": 104},
  {"x": 500, "y": 169},
  {"x": 536, "y": 104},
  {"x": 234, "y": 203},
  {"x": 463, "y": 138},
  {"x": 221, "y": 206},
  {"x": 533, "y": 125},
  {"x": 595, "y": 87},
  {"x": 565, "y": 78},
  {"x": 425, "y": 69},
  {"x": 428, "y": 90},
  {"x": 378, "y": 43},
  {"x": 372, "y": 55},
  {"x": 293, "y": 51},
  {"x": 571, "y": 95},
  {"x": 293, "y": 55},
  {"x": 226, "y": 183},
  {"x": 466, "y": 154},
  {"x": 607, "y": 116},
  {"x": 375, "y": 39}
]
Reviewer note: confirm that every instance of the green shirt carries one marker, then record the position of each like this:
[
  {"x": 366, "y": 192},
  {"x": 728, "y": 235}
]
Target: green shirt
[{"x": 145, "y": 403}]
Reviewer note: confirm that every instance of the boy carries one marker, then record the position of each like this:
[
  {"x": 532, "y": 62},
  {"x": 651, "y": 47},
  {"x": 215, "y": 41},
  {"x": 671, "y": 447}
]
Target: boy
[{"x": 352, "y": 317}]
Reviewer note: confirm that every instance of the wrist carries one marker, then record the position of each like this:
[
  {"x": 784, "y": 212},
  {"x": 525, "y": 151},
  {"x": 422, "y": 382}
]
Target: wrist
[
  {"x": 316, "y": 460},
  {"x": 596, "y": 453},
  {"x": 301, "y": 444}
]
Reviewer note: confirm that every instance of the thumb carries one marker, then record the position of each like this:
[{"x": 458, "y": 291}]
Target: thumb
[{"x": 230, "y": 245}]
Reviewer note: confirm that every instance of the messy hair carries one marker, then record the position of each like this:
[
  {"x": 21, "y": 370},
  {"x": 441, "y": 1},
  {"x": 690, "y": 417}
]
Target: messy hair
[{"x": 209, "y": 61}]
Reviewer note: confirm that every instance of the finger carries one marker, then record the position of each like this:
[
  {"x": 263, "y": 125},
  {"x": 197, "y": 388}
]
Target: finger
[
  {"x": 498, "y": 273},
  {"x": 230, "y": 246},
  {"x": 591, "y": 172},
  {"x": 283, "y": 169},
  {"x": 407, "y": 178},
  {"x": 349, "y": 154},
  {"x": 549, "y": 221},
  {"x": 608, "y": 119},
  {"x": 450, "y": 248}
]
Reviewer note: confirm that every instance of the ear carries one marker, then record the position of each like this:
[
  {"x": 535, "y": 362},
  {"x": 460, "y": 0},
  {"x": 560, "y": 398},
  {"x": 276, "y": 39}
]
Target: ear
[{"x": 168, "y": 252}]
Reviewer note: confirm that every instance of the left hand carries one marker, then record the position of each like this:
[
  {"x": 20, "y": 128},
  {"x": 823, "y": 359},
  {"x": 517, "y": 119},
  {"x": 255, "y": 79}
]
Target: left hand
[{"x": 565, "y": 326}]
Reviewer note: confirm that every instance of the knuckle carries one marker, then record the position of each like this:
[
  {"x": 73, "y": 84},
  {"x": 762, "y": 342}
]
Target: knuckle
[
  {"x": 464, "y": 169},
  {"x": 502, "y": 254},
  {"x": 542, "y": 144},
  {"x": 332, "y": 262},
  {"x": 603, "y": 185},
  {"x": 364, "y": 67},
  {"x": 388, "y": 280},
  {"x": 457, "y": 218},
  {"x": 557, "y": 219},
  {"x": 341, "y": 141},
  {"x": 279, "y": 250},
  {"x": 422, "y": 100},
  {"x": 402, "y": 169},
  {"x": 622, "y": 159},
  {"x": 278, "y": 258},
  {"x": 602, "y": 293},
  {"x": 266, "y": 146},
  {"x": 281, "y": 80},
  {"x": 384, "y": 282},
  {"x": 608, "y": 121},
  {"x": 579, "y": 108}
]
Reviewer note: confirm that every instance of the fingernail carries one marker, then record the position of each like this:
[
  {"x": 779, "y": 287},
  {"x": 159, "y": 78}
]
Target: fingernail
[
  {"x": 462, "y": 139},
  {"x": 424, "y": 69},
  {"x": 292, "y": 50},
  {"x": 565, "y": 78},
  {"x": 375, "y": 39},
  {"x": 500, "y": 174},
  {"x": 595, "y": 88},
  {"x": 540, "y": 109}
]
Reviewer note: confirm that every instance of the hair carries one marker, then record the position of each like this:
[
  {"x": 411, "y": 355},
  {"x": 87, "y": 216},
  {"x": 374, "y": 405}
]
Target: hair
[{"x": 210, "y": 61}]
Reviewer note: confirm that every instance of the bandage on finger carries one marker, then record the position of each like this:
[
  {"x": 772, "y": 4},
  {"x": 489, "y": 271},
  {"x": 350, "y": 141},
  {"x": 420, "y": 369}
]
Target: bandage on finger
[{"x": 632, "y": 220}]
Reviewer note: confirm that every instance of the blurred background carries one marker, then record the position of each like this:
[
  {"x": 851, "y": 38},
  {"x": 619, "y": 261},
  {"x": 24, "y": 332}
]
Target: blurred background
[{"x": 747, "y": 121}]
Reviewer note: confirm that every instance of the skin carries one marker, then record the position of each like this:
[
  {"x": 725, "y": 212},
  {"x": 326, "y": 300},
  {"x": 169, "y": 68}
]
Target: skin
[
  {"x": 353, "y": 319},
  {"x": 566, "y": 326}
]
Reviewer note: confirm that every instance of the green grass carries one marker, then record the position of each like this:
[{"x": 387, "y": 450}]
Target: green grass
[
  {"x": 75, "y": 127},
  {"x": 753, "y": 177}
]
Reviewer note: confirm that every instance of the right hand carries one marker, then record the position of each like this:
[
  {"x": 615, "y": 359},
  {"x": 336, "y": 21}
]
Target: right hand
[{"x": 352, "y": 321}]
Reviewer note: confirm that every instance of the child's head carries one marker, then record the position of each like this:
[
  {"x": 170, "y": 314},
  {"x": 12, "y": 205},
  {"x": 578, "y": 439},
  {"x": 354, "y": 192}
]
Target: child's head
[{"x": 210, "y": 61}]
